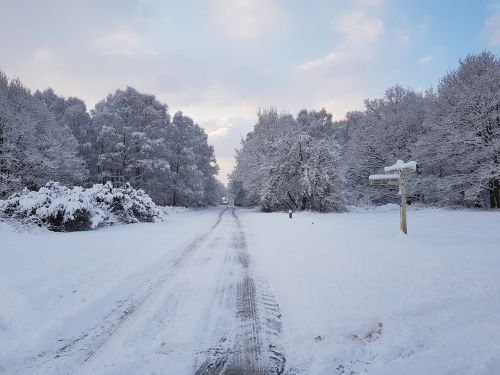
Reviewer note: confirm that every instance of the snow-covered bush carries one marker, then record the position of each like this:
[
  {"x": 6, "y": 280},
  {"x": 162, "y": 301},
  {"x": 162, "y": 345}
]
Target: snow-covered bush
[
  {"x": 64, "y": 209},
  {"x": 289, "y": 163}
]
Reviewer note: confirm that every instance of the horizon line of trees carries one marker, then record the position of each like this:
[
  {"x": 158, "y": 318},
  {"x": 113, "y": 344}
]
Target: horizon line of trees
[
  {"x": 312, "y": 162},
  {"x": 128, "y": 137}
]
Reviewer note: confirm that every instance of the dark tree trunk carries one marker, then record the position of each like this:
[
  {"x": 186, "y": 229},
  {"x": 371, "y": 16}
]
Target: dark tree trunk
[
  {"x": 304, "y": 203},
  {"x": 293, "y": 200},
  {"x": 495, "y": 194}
]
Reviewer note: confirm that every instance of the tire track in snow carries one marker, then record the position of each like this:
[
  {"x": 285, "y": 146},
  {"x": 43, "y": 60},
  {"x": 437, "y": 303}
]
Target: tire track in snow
[
  {"x": 68, "y": 357},
  {"x": 255, "y": 346}
]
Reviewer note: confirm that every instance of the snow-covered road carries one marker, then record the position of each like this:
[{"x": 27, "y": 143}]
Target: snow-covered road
[
  {"x": 175, "y": 298},
  {"x": 234, "y": 291}
]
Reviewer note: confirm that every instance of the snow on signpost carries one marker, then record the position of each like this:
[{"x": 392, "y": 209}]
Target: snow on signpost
[
  {"x": 400, "y": 166},
  {"x": 395, "y": 175}
]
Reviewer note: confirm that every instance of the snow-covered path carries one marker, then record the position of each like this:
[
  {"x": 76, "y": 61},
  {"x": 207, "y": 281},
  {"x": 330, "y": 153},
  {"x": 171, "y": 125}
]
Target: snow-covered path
[
  {"x": 235, "y": 291},
  {"x": 189, "y": 304}
]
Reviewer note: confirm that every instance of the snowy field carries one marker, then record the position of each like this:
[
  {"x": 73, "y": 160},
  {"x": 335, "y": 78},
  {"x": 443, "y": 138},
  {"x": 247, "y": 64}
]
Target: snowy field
[{"x": 236, "y": 291}]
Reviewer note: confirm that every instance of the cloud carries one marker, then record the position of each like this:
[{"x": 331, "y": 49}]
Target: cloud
[
  {"x": 426, "y": 59},
  {"x": 120, "y": 42},
  {"x": 327, "y": 60},
  {"x": 491, "y": 29},
  {"x": 359, "y": 27},
  {"x": 245, "y": 19},
  {"x": 223, "y": 126},
  {"x": 226, "y": 165},
  {"x": 225, "y": 134}
]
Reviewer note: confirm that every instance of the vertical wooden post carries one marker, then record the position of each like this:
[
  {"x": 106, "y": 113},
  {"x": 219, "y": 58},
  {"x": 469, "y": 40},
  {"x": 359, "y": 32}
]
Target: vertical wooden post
[{"x": 402, "y": 191}]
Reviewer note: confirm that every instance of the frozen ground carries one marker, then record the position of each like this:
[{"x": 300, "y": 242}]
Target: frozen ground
[{"x": 239, "y": 292}]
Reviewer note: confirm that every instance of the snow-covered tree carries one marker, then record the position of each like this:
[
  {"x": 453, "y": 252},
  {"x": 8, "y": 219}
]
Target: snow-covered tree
[
  {"x": 289, "y": 164},
  {"x": 72, "y": 113},
  {"x": 460, "y": 152},
  {"x": 33, "y": 148},
  {"x": 192, "y": 163},
  {"x": 386, "y": 131},
  {"x": 137, "y": 143},
  {"x": 131, "y": 141}
]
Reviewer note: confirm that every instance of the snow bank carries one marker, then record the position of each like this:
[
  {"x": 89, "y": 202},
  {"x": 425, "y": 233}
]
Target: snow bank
[{"x": 63, "y": 209}]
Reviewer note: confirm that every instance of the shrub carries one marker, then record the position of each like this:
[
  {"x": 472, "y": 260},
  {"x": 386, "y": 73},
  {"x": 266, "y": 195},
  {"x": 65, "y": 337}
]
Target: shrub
[{"x": 63, "y": 209}]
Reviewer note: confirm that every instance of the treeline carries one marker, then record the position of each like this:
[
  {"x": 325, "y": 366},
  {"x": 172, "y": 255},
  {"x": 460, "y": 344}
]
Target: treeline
[
  {"x": 128, "y": 137},
  {"x": 311, "y": 162}
]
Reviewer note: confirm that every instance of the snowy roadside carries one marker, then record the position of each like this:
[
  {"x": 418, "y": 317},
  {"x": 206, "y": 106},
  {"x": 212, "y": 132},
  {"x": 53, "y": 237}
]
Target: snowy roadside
[{"x": 357, "y": 296}]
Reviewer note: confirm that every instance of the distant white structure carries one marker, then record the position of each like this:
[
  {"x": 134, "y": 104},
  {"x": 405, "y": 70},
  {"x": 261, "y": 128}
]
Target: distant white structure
[
  {"x": 229, "y": 201},
  {"x": 398, "y": 179}
]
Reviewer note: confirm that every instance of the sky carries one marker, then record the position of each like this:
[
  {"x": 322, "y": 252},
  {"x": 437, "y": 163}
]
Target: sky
[{"x": 219, "y": 61}]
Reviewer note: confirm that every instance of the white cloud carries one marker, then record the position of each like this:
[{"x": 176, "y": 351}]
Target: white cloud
[
  {"x": 223, "y": 126},
  {"x": 327, "y": 60},
  {"x": 360, "y": 27},
  {"x": 426, "y": 59},
  {"x": 226, "y": 165},
  {"x": 120, "y": 42},
  {"x": 491, "y": 29},
  {"x": 245, "y": 19}
]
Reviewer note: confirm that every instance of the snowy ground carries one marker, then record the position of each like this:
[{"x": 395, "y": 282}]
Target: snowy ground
[{"x": 239, "y": 292}]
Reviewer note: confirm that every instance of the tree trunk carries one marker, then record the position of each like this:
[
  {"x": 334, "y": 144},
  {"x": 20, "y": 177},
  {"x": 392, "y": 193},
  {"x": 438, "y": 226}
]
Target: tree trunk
[
  {"x": 304, "y": 203},
  {"x": 495, "y": 194},
  {"x": 293, "y": 200}
]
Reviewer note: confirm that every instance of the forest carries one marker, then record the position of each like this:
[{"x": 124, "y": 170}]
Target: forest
[
  {"x": 303, "y": 162},
  {"x": 312, "y": 162},
  {"x": 129, "y": 137}
]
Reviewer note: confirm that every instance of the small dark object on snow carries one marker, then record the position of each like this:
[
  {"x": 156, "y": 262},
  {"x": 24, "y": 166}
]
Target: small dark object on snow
[{"x": 290, "y": 212}]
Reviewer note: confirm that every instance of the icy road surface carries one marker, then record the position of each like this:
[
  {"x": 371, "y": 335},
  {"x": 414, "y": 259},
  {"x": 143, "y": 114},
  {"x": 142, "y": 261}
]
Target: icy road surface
[{"x": 233, "y": 291}]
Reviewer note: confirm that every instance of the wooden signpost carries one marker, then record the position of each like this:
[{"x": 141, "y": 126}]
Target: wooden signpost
[{"x": 395, "y": 175}]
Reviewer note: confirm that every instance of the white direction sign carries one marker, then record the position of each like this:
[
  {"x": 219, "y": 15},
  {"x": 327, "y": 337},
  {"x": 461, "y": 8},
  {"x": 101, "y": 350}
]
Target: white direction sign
[{"x": 384, "y": 179}]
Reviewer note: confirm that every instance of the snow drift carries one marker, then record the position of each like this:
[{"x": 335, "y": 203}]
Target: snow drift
[{"x": 61, "y": 209}]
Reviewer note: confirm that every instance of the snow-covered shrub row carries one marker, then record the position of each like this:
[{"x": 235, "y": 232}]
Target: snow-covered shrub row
[{"x": 63, "y": 209}]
